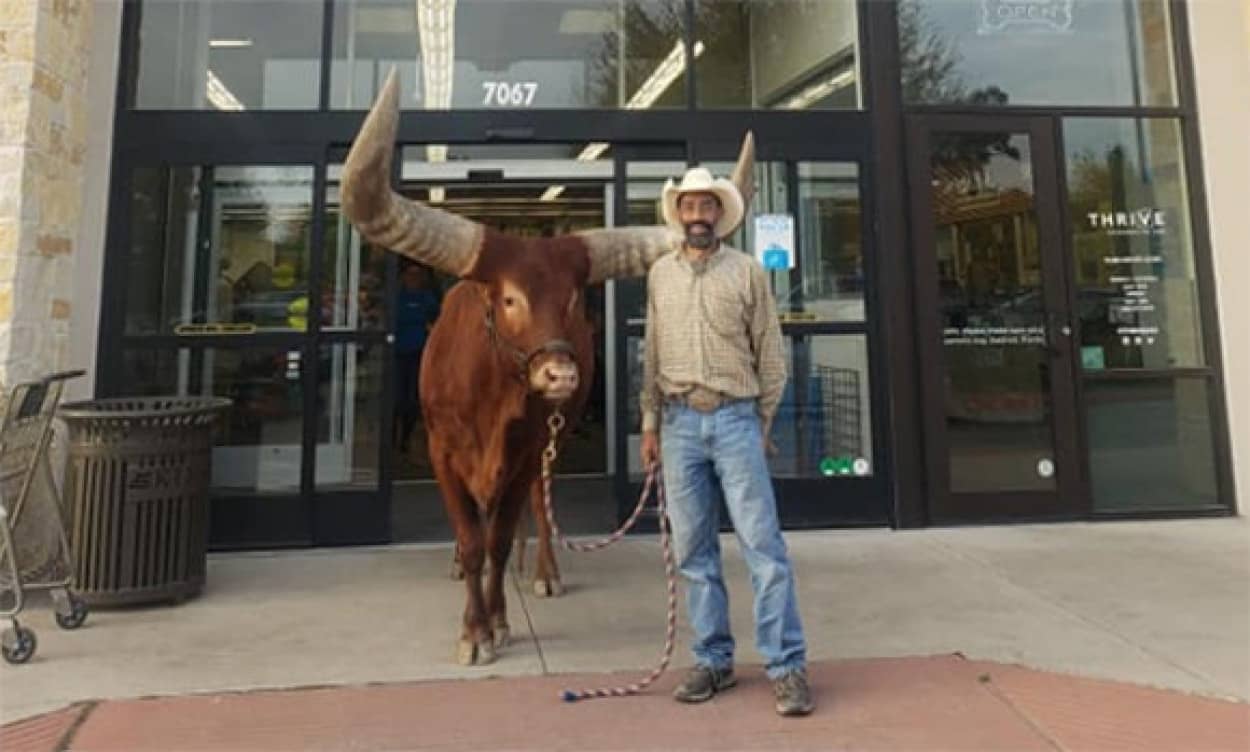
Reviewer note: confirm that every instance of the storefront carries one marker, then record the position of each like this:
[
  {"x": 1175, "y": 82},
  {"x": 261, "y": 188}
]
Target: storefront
[{"x": 998, "y": 305}]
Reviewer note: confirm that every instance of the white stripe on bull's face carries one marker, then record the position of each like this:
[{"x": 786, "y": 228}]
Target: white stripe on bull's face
[{"x": 553, "y": 375}]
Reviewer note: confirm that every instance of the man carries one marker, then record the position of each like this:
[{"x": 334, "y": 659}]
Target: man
[{"x": 712, "y": 378}]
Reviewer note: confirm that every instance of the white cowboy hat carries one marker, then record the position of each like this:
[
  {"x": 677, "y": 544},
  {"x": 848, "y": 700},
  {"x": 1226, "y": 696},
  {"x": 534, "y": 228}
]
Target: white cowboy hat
[{"x": 700, "y": 179}]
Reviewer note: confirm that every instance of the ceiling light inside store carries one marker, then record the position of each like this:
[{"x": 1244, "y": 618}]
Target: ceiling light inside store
[
  {"x": 229, "y": 43},
  {"x": 552, "y": 193},
  {"x": 819, "y": 90},
  {"x": 220, "y": 96},
  {"x": 436, "y": 22}
]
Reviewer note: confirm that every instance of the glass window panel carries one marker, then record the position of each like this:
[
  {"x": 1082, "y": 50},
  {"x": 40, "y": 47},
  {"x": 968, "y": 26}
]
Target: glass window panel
[
  {"x": 353, "y": 288},
  {"x": 831, "y": 252},
  {"x": 1133, "y": 244},
  {"x": 209, "y": 54},
  {"x": 164, "y": 220},
  {"x": 1037, "y": 52},
  {"x": 1150, "y": 444},
  {"x": 245, "y": 265},
  {"x": 996, "y": 380},
  {"x": 258, "y": 448},
  {"x": 262, "y": 225},
  {"x": 823, "y": 426},
  {"x": 777, "y": 54},
  {"x": 501, "y": 54},
  {"x": 349, "y": 415}
]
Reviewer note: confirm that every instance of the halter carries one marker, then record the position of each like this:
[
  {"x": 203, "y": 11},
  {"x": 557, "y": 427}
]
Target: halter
[{"x": 519, "y": 356}]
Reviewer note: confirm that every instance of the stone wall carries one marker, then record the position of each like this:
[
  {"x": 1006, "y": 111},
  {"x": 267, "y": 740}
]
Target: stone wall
[{"x": 44, "y": 52}]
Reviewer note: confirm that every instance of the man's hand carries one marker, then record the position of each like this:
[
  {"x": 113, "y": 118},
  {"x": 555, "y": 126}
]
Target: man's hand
[
  {"x": 650, "y": 449},
  {"x": 770, "y": 449}
]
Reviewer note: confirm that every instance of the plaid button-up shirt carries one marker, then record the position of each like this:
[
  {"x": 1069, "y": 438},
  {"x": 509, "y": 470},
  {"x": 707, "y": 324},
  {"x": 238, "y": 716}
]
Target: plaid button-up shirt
[{"x": 711, "y": 323}]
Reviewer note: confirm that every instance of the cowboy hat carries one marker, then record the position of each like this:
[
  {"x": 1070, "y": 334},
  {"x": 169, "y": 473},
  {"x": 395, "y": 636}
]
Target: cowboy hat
[{"x": 699, "y": 179}]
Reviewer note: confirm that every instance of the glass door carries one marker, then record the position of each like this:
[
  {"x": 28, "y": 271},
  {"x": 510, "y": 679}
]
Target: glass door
[
  {"x": 829, "y": 468},
  {"x": 996, "y": 326}
]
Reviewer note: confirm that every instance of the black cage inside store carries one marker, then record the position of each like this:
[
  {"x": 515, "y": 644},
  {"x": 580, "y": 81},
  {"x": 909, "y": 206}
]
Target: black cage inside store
[{"x": 998, "y": 308}]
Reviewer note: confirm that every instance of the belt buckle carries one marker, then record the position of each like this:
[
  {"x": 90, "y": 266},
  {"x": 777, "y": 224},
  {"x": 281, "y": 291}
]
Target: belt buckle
[{"x": 703, "y": 400}]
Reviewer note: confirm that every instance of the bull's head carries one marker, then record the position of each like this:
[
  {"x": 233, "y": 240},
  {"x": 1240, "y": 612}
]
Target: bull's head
[{"x": 532, "y": 287}]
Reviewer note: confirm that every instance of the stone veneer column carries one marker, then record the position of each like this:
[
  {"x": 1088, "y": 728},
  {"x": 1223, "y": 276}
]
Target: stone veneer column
[{"x": 44, "y": 50}]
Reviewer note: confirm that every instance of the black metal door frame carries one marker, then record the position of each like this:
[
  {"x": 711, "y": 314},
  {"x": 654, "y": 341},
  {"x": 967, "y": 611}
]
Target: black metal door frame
[
  {"x": 1070, "y": 498},
  {"x": 802, "y": 502}
]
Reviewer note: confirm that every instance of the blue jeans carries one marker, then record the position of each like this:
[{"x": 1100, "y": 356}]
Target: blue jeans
[{"x": 725, "y": 447}]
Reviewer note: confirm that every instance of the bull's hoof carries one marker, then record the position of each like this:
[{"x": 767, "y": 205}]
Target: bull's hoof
[
  {"x": 469, "y": 653},
  {"x": 549, "y": 587}
]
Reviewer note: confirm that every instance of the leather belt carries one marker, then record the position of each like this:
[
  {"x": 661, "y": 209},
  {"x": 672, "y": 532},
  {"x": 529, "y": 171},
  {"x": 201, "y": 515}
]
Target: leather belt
[{"x": 701, "y": 398}]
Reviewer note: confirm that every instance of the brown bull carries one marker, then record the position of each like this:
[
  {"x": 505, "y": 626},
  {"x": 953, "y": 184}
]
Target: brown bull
[{"x": 512, "y": 345}]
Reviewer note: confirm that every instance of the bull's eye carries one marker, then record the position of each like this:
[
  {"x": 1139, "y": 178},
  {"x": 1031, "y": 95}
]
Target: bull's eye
[{"x": 509, "y": 301}]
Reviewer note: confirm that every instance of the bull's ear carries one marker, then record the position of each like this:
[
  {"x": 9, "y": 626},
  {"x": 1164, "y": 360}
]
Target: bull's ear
[
  {"x": 626, "y": 251},
  {"x": 744, "y": 175}
]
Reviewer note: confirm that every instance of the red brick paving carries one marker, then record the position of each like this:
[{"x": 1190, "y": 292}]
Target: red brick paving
[
  {"x": 940, "y": 702},
  {"x": 42, "y": 732}
]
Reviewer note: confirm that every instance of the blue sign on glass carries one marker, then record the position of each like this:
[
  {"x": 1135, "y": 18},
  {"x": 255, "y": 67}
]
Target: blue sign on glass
[{"x": 774, "y": 241}]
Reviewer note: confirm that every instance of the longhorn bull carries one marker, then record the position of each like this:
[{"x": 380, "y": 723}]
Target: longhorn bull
[{"x": 512, "y": 345}]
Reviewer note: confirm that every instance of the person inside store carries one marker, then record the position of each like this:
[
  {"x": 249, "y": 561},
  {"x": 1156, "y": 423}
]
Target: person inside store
[
  {"x": 415, "y": 311},
  {"x": 713, "y": 376}
]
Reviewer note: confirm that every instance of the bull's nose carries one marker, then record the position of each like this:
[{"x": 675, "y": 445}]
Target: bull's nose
[{"x": 559, "y": 378}]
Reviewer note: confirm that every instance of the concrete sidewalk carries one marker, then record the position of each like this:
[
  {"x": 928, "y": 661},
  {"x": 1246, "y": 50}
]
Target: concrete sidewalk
[{"x": 1158, "y": 604}]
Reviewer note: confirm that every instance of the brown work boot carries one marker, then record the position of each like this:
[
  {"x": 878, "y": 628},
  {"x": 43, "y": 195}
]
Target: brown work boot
[
  {"x": 702, "y": 682},
  {"x": 793, "y": 695}
]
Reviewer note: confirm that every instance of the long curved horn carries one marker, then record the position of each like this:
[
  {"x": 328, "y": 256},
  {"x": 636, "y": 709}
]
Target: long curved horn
[
  {"x": 744, "y": 175},
  {"x": 626, "y": 251},
  {"x": 431, "y": 236}
]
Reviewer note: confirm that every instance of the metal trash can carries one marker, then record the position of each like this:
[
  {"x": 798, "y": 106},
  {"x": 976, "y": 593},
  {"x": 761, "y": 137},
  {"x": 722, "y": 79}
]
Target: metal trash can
[{"x": 136, "y": 483}]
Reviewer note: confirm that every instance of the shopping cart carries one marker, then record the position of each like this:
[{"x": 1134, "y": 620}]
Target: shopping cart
[{"x": 34, "y": 544}]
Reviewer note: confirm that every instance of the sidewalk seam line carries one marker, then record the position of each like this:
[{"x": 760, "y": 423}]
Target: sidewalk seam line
[
  {"x": 67, "y": 738},
  {"x": 529, "y": 621},
  {"x": 990, "y": 688}
]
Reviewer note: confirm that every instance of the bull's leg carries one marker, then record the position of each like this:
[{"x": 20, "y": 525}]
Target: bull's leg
[
  {"x": 499, "y": 537},
  {"x": 546, "y": 574},
  {"x": 476, "y": 646}
]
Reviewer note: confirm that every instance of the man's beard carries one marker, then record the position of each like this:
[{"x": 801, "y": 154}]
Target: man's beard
[{"x": 701, "y": 241}]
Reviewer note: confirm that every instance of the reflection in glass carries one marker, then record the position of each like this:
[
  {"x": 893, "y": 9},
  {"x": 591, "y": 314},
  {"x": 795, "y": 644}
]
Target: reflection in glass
[
  {"x": 1002, "y": 52},
  {"x": 353, "y": 287},
  {"x": 209, "y": 54},
  {"x": 777, "y": 54},
  {"x": 488, "y": 54},
  {"x": 262, "y": 223},
  {"x": 1133, "y": 245},
  {"x": 823, "y": 426},
  {"x": 831, "y": 252},
  {"x": 991, "y": 307},
  {"x": 164, "y": 217},
  {"x": 1150, "y": 444},
  {"x": 349, "y": 404},
  {"x": 258, "y": 446},
  {"x": 255, "y": 270}
]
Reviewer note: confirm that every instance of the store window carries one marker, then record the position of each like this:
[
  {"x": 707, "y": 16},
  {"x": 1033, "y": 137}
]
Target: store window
[
  {"x": 258, "y": 446},
  {"x": 214, "y": 55},
  {"x": 492, "y": 54},
  {"x": 1137, "y": 287},
  {"x": 350, "y": 440},
  {"x": 1037, "y": 52},
  {"x": 1150, "y": 444},
  {"x": 777, "y": 54},
  {"x": 219, "y": 246}
]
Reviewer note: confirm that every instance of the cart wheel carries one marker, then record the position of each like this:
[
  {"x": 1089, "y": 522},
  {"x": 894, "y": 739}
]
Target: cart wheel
[
  {"x": 76, "y": 616},
  {"x": 19, "y": 645}
]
